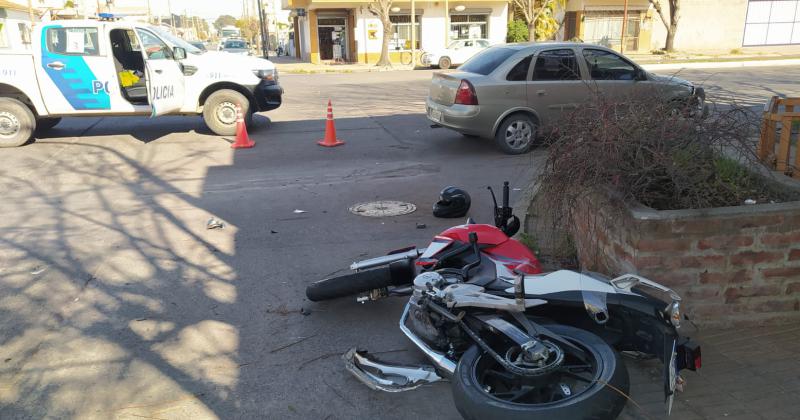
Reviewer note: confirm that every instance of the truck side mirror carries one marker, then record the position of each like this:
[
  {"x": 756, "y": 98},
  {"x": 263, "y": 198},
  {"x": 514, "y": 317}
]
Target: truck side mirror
[{"x": 179, "y": 53}]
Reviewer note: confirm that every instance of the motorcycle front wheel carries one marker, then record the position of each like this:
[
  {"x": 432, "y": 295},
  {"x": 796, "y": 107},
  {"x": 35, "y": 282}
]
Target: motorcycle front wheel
[
  {"x": 483, "y": 389},
  {"x": 395, "y": 274}
]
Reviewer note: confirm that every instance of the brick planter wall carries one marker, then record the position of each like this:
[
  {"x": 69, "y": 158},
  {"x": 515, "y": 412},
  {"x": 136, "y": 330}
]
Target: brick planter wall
[{"x": 732, "y": 265}]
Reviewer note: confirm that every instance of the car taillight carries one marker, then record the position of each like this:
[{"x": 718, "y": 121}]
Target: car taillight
[{"x": 465, "y": 95}]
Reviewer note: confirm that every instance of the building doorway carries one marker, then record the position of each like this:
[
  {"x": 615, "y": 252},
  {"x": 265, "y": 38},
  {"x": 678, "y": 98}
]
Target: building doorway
[{"x": 333, "y": 43}]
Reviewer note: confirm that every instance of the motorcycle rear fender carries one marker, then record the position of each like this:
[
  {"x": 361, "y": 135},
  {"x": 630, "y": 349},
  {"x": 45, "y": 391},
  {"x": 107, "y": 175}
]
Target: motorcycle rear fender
[{"x": 636, "y": 323}]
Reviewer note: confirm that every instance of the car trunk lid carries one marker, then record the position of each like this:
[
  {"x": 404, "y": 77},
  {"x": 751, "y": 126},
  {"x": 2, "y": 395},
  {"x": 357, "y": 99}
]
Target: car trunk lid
[{"x": 444, "y": 87}]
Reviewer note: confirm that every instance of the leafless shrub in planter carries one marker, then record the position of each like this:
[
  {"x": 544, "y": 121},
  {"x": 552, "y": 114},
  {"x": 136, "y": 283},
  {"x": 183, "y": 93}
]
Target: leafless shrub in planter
[{"x": 651, "y": 151}]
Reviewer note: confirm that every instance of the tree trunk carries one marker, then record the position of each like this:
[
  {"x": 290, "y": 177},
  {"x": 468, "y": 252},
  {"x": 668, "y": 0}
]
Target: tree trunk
[
  {"x": 532, "y": 31},
  {"x": 387, "y": 36},
  {"x": 670, "y": 43}
]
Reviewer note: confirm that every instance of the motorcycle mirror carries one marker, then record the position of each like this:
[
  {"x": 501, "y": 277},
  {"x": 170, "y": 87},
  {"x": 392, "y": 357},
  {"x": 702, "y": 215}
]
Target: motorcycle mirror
[
  {"x": 494, "y": 199},
  {"x": 512, "y": 227}
]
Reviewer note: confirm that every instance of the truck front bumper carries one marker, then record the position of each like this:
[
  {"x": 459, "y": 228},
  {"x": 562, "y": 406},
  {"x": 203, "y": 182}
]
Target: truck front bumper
[{"x": 268, "y": 96}]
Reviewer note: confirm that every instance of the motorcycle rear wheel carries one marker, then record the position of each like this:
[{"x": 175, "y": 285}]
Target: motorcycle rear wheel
[{"x": 479, "y": 392}]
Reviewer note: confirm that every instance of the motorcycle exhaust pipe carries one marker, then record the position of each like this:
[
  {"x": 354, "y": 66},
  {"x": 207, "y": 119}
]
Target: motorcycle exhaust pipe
[{"x": 386, "y": 259}]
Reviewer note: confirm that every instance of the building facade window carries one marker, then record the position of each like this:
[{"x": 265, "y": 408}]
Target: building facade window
[
  {"x": 605, "y": 28},
  {"x": 3, "y": 38},
  {"x": 772, "y": 22},
  {"x": 401, "y": 40},
  {"x": 469, "y": 25}
]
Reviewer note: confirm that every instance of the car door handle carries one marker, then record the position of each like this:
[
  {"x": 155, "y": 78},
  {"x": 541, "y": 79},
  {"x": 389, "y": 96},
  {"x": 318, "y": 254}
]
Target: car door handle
[
  {"x": 159, "y": 71},
  {"x": 541, "y": 92},
  {"x": 56, "y": 65}
]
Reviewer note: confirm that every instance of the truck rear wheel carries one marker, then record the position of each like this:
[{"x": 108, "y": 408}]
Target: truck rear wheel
[
  {"x": 219, "y": 111},
  {"x": 17, "y": 123}
]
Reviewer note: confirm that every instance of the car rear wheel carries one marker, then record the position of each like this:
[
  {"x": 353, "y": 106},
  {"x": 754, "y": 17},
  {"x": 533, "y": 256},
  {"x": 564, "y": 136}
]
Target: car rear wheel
[
  {"x": 445, "y": 63},
  {"x": 516, "y": 134},
  {"x": 17, "y": 123},
  {"x": 219, "y": 111}
]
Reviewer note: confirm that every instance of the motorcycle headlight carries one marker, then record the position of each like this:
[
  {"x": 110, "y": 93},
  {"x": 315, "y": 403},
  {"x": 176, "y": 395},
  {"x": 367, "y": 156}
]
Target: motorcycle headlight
[
  {"x": 673, "y": 313},
  {"x": 268, "y": 75}
]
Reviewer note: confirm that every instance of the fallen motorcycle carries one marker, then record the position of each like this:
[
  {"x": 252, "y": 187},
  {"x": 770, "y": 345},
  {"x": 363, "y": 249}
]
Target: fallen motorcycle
[{"x": 515, "y": 342}]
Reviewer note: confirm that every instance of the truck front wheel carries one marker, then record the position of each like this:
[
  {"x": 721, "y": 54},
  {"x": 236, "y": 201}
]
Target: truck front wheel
[
  {"x": 17, "y": 123},
  {"x": 219, "y": 111}
]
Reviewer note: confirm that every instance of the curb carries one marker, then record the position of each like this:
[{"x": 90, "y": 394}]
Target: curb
[
  {"x": 324, "y": 70},
  {"x": 722, "y": 64},
  {"x": 650, "y": 66}
]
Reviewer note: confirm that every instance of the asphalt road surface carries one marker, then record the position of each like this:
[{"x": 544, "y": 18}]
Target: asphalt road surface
[{"x": 117, "y": 302}]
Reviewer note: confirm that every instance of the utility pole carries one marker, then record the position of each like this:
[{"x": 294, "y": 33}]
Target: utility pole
[
  {"x": 447, "y": 23},
  {"x": 149, "y": 18},
  {"x": 171, "y": 16},
  {"x": 624, "y": 28},
  {"x": 413, "y": 35},
  {"x": 264, "y": 31},
  {"x": 30, "y": 12}
]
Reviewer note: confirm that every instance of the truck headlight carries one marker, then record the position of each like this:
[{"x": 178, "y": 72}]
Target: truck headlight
[{"x": 268, "y": 75}]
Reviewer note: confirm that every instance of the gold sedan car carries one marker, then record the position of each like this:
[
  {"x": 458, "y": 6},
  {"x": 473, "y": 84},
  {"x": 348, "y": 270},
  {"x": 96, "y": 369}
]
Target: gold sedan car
[{"x": 509, "y": 92}]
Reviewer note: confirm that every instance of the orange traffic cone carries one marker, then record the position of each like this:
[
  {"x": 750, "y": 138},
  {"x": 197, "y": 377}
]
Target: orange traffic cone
[
  {"x": 242, "y": 139},
  {"x": 330, "y": 139}
]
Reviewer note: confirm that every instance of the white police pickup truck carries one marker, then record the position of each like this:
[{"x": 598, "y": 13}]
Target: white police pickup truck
[{"x": 119, "y": 68}]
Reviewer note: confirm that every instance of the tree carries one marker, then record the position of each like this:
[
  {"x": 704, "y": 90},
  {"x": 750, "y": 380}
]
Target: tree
[
  {"x": 249, "y": 28},
  {"x": 224, "y": 20},
  {"x": 381, "y": 9},
  {"x": 672, "y": 26},
  {"x": 540, "y": 17},
  {"x": 517, "y": 31}
]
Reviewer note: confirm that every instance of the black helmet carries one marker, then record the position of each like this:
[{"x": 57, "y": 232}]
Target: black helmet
[{"x": 453, "y": 202}]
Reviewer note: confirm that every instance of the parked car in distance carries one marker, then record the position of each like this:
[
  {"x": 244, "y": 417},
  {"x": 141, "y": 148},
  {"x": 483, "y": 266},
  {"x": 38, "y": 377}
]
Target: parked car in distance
[
  {"x": 200, "y": 45},
  {"x": 235, "y": 46},
  {"x": 457, "y": 52},
  {"x": 509, "y": 92}
]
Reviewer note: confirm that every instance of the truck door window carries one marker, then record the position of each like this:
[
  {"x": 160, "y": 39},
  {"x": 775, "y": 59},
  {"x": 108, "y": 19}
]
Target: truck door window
[
  {"x": 154, "y": 47},
  {"x": 72, "y": 41}
]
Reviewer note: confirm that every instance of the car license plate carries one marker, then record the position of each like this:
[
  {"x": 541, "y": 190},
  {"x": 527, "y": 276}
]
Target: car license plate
[{"x": 436, "y": 115}]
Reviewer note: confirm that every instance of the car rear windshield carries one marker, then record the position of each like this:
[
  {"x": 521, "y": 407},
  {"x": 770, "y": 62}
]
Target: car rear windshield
[
  {"x": 235, "y": 44},
  {"x": 487, "y": 60}
]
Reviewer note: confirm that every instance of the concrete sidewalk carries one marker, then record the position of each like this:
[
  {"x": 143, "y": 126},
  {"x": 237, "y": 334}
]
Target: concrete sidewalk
[
  {"x": 654, "y": 62},
  {"x": 292, "y": 65},
  {"x": 747, "y": 374}
]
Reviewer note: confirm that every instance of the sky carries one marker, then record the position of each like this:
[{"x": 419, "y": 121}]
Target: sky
[{"x": 209, "y": 9}]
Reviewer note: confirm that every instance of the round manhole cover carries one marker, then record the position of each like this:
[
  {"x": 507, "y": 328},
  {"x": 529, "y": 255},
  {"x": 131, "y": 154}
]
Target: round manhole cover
[{"x": 384, "y": 208}]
